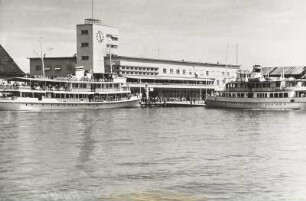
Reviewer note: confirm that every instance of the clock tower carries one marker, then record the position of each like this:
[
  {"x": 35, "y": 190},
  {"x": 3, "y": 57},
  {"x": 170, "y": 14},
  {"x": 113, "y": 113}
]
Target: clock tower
[{"x": 94, "y": 42}]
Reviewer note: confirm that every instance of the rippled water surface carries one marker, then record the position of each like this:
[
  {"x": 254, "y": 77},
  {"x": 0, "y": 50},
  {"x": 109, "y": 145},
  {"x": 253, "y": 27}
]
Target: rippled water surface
[{"x": 154, "y": 154}]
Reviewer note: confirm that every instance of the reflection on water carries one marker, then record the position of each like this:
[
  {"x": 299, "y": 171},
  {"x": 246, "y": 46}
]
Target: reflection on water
[{"x": 153, "y": 154}]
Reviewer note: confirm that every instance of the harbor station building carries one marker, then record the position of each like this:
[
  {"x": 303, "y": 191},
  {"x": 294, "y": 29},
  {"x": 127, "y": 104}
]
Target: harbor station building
[{"x": 97, "y": 51}]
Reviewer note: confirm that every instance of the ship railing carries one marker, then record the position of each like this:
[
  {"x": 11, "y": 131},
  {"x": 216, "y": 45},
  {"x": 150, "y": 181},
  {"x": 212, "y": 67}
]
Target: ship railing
[
  {"x": 50, "y": 89},
  {"x": 86, "y": 100},
  {"x": 167, "y": 83},
  {"x": 274, "y": 89}
]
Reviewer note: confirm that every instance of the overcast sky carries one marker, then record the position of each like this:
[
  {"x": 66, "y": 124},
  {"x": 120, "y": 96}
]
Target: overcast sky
[{"x": 269, "y": 32}]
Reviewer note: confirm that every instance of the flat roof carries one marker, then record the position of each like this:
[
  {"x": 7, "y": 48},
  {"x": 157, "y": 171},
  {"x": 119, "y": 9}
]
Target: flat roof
[
  {"x": 35, "y": 58},
  {"x": 169, "y": 78},
  {"x": 175, "y": 61}
]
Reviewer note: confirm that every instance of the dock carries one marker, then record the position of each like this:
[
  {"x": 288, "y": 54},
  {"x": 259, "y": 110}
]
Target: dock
[{"x": 173, "y": 104}]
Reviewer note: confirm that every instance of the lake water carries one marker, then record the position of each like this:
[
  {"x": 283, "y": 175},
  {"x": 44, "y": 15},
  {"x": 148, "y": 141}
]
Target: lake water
[{"x": 172, "y": 154}]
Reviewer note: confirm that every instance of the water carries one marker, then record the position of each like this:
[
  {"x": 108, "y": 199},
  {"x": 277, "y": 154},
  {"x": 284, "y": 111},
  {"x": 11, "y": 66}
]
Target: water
[{"x": 171, "y": 154}]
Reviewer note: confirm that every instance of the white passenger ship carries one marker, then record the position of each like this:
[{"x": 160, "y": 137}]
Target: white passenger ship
[
  {"x": 65, "y": 93},
  {"x": 253, "y": 91}
]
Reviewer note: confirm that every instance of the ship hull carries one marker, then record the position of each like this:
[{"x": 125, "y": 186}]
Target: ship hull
[
  {"x": 257, "y": 103},
  {"x": 13, "y": 105}
]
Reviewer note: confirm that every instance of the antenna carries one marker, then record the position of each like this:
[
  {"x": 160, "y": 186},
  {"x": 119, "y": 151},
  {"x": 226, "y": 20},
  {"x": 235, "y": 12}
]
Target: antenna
[{"x": 92, "y": 9}]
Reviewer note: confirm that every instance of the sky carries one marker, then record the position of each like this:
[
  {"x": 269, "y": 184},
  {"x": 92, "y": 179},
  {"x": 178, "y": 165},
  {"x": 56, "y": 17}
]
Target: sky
[{"x": 268, "y": 32}]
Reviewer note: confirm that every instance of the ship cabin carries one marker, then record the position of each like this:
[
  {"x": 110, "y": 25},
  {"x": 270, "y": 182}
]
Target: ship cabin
[
  {"x": 65, "y": 89},
  {"x": 265, "y": 89}
]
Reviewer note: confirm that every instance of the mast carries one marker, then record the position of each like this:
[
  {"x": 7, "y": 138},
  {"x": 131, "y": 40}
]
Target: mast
[
  {"x": 110, "y": 61},
  {"x": 226, "y": 57},
  {"x": 42, "y": 58},
  {"x": 236, "y": 53}
]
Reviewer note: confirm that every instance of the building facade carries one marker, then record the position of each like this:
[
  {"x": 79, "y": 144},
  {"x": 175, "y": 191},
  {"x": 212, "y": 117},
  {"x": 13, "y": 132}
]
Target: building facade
[
  {"x": 169, "y": 78},
  {"x": 97, "y": 51},
  {"x": 134, "y": 66},
  {"x": 94, "y": 42},
  {"x": 54, "y": 66}
]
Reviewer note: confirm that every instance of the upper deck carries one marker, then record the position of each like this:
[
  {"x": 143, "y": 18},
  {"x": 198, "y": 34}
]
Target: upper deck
[{"x": 266, "y": 85}]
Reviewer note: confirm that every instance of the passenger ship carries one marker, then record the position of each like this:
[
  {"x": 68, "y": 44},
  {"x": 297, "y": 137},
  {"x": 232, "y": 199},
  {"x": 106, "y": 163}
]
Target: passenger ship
[
  {"x": 65, "y": 93},
  {"x": 253, "y": 91}
]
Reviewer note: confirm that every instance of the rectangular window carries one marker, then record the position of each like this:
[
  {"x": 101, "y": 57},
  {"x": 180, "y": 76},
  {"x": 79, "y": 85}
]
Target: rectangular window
[
  {"x": 85, "y": 57},
  {"x": 164, "y": 70},
  {"x": 171, "y": 71},
  {"x": 38, "y": 67},
  {"x": 84, "y": 32},
  {"x": 84, "y": 44},
  {"x": 58, "y": 67},
  {"x": 177, "y": 71},
  {"x": 184, "y": 72},
  {"x": 207, "y": 73},
  {"x": 48, "y": 68}
]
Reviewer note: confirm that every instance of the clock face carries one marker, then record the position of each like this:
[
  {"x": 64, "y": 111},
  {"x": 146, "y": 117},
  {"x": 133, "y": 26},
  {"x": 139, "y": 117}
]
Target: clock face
[{"x": 100, "y": 36}]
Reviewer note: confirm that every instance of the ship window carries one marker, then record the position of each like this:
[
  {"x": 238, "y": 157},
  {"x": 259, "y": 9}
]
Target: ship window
[
  {"x": 281, "y": 95},
  {"x": 164, "y": 70},
  {"x": 271, "y": 95},
  {"x": 275, "y": 95},
  {"x": 177, "y": 71},
  {"x": 286, "y": 95},
  {"x": 171, "y": 71},
  {"x": 250, "y": 95}
]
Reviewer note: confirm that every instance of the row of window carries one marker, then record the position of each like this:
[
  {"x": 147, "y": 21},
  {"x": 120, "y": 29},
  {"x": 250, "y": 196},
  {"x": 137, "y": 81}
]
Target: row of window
[
  {"x": 55, "y": 68},
  {"x": 256, "y": 104},
  {"x": 253, "y": 85},
  {"x": 178, "y": 72},
  {"x": 257, "y": 95},
  {"x": 114, "y": 38},
  {"x": 108, "y": 45},
  {"x": 94, "y": 86},
  {"x": 138, "y": 68},
  {"x": 137, "y": 73}
]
